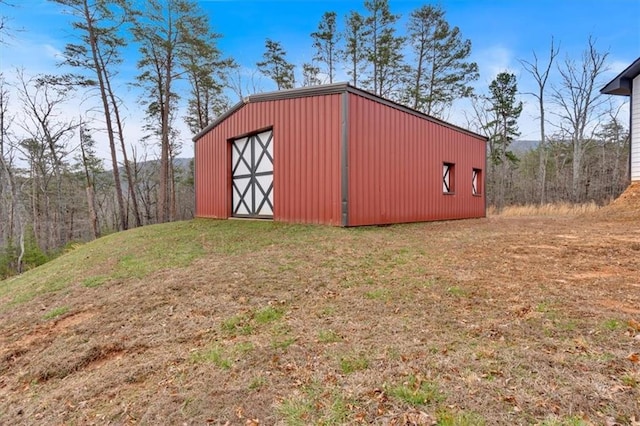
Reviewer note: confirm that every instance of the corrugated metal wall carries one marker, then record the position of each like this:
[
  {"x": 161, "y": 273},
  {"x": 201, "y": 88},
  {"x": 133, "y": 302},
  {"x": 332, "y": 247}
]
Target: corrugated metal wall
[
  {"x": 395, "y": 167},
  {"x": 307, "y": 134},
  {"x": 634, "y": 159}
]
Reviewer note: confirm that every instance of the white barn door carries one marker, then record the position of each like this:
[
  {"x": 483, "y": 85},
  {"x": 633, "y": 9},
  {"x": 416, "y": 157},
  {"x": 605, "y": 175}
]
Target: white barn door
[{"x": 252, "y": 175}]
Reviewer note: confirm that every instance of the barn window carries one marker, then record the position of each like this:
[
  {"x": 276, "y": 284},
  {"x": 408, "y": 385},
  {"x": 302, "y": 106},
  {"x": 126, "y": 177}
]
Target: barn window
[
  {"x": 448, "y": 176},
  {"x": 476, "y": 182}
]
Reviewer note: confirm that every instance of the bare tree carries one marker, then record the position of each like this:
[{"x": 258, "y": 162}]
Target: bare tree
[
  {"x": 11, "y": 208},
  {"x": 579, "y": 103},
  {"x": 49, "y": 133},
  {"x": 3, "y": 22},
  {"x": 540, "y": 73},
  {"x": 243, "y": 81},
  {"x": 89, "y": 163},
  {"x": 100, "y": 26}
]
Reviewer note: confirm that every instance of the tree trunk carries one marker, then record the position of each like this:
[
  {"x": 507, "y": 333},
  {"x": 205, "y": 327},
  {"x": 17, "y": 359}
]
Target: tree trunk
[
  {"x": 576, "y": 169},
  {"x": 93, "y": 216},
  {"x": 164, "y": 195},
  {"x": 107, "y": 115},
  {"x": 91, "y": 200},
  {"x": 542, "y": 167},
  {"x": 127, "y": 167}
]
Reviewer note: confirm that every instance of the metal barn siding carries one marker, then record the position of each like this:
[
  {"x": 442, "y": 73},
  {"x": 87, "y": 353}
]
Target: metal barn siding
[
  {"x": 395, "y": 166},
  {"x": 306, "y": 157},
  {"x": 634, "y": 156}
]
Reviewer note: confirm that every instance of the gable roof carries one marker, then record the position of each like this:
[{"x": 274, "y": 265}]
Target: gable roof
[
  {"x": 621, "y": 85},
  {"x": 327, "y": 89}
]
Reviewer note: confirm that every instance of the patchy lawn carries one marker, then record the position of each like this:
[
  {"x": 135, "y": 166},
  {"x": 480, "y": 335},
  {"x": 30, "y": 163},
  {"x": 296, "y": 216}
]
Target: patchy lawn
[{"x": 505, "y": 320}]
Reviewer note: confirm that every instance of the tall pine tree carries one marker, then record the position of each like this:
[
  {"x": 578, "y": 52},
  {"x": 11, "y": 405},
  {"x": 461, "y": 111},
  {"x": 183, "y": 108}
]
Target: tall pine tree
[
  {"x": 167, "y": 32},
  {"x": 441, "y": 70},
  {"x": 354, "y": 53},
  {"x": 274, "y": 65},
  {"x": 502, "y": 130},
  {"x": 325, "y": 41},
  {"x": 383, "y": 50}
]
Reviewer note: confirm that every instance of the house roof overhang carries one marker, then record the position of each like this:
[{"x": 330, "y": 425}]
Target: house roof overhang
[
  {"x": 327, "y": 89},
  {"x": 621, "y": 84}
]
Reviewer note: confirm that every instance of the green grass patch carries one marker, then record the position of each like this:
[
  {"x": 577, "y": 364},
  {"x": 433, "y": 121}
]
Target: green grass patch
[
  {"x": 281, "y": 336},
  {"x": 416, "y": 392},
  {"x": 446, "y": 417},
  {"x": 612, "y": 324},
  {"x": 565, "y": 421},
  {"x": 56, "y": 312},
  {"x": 629, "y": 380},
  {"x": 244, "y": 347},
  {"x": 257, "y": 383},
  {"x": 378, "y": 294},
  {"x": 95, "y": 281},
  {"x": 327, "y": 312},
  {"x": 316, "y": 405},
  {"x": 247, "y": 323},
  {"x": 352, "y": 363},
  {"x": 568, "y": 325},
  {"x": 267, "y": 315},
  {"x": 328, "y": 336},
  {"x": 221, "y": 356},
  {"x": 283, "y": 343},
  {"x": 237, "y": 325},
  {"x": 296, "y": 411},
  {"x": 215, "y": 355},
  {"x": 139, "y": 252},
  {"x": 456, "y": 291}
]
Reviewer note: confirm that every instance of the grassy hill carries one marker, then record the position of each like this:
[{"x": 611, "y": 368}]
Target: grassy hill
[{"x": 506, "y": 320}]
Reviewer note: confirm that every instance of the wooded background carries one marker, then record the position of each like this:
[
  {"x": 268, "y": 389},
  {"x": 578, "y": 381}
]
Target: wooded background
[{"x": 55, "y": 190}]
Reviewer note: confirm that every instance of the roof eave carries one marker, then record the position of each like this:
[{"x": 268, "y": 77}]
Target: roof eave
[
  {"x": 621, "y": 84},
  {"x": 412, "y": 111},
  {"x": 220, "y": 119},
  {"x": 329, "y": 89}
]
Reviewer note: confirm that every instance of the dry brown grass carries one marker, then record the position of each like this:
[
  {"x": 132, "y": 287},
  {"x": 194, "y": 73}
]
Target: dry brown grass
[
  {"x": 550, "y": 209},
  {"x": 498, "y": 321}
]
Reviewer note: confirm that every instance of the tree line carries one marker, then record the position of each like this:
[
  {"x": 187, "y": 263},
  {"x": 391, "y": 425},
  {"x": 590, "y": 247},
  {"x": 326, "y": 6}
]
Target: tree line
[{"x": 54, "y": 190}]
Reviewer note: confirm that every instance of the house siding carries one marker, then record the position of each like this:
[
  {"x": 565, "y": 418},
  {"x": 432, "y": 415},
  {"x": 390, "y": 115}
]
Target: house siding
[
  {"x": 306, "y": 137},
  {"x": 395, "y": 167},
  {"x": 635, "y": 129}
]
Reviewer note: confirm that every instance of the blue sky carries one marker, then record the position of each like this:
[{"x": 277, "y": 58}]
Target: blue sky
[{"x": 501, "y": 32}]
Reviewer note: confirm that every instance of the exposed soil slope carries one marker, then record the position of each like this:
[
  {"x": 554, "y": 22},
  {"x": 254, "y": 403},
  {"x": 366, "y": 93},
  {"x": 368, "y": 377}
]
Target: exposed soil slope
[
  {"x": 625, "y": 207},
  {"x": 495, "y": 321}
]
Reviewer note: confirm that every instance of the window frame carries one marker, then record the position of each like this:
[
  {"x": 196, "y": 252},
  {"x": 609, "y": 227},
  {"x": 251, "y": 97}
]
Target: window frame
[
  {"x": 448, "y": 178},
  {"x": 476, "y": 182}
]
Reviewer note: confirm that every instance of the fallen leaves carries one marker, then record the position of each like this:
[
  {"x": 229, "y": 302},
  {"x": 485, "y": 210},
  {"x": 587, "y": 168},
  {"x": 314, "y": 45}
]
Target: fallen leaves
[{"x": 412, "y": 418}]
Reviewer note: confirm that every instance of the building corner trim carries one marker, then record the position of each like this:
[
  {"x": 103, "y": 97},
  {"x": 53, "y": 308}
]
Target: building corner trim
[{"x": 344, "y": 158}]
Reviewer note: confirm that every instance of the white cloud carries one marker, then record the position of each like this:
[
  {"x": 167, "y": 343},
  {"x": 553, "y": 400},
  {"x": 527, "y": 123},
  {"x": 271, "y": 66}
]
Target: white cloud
[
  {"x": 492, "y": 61},
  {"x": 617, "y": 66},
  {"x": 52, "y": 52}
]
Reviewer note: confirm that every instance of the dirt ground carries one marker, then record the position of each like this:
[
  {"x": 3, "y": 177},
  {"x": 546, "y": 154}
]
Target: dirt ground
[{"x": 497, "y": 321}]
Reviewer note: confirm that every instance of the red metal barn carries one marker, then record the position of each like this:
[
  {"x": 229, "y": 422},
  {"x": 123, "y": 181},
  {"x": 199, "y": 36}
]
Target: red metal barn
[{"x": 337, "y": 155}]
